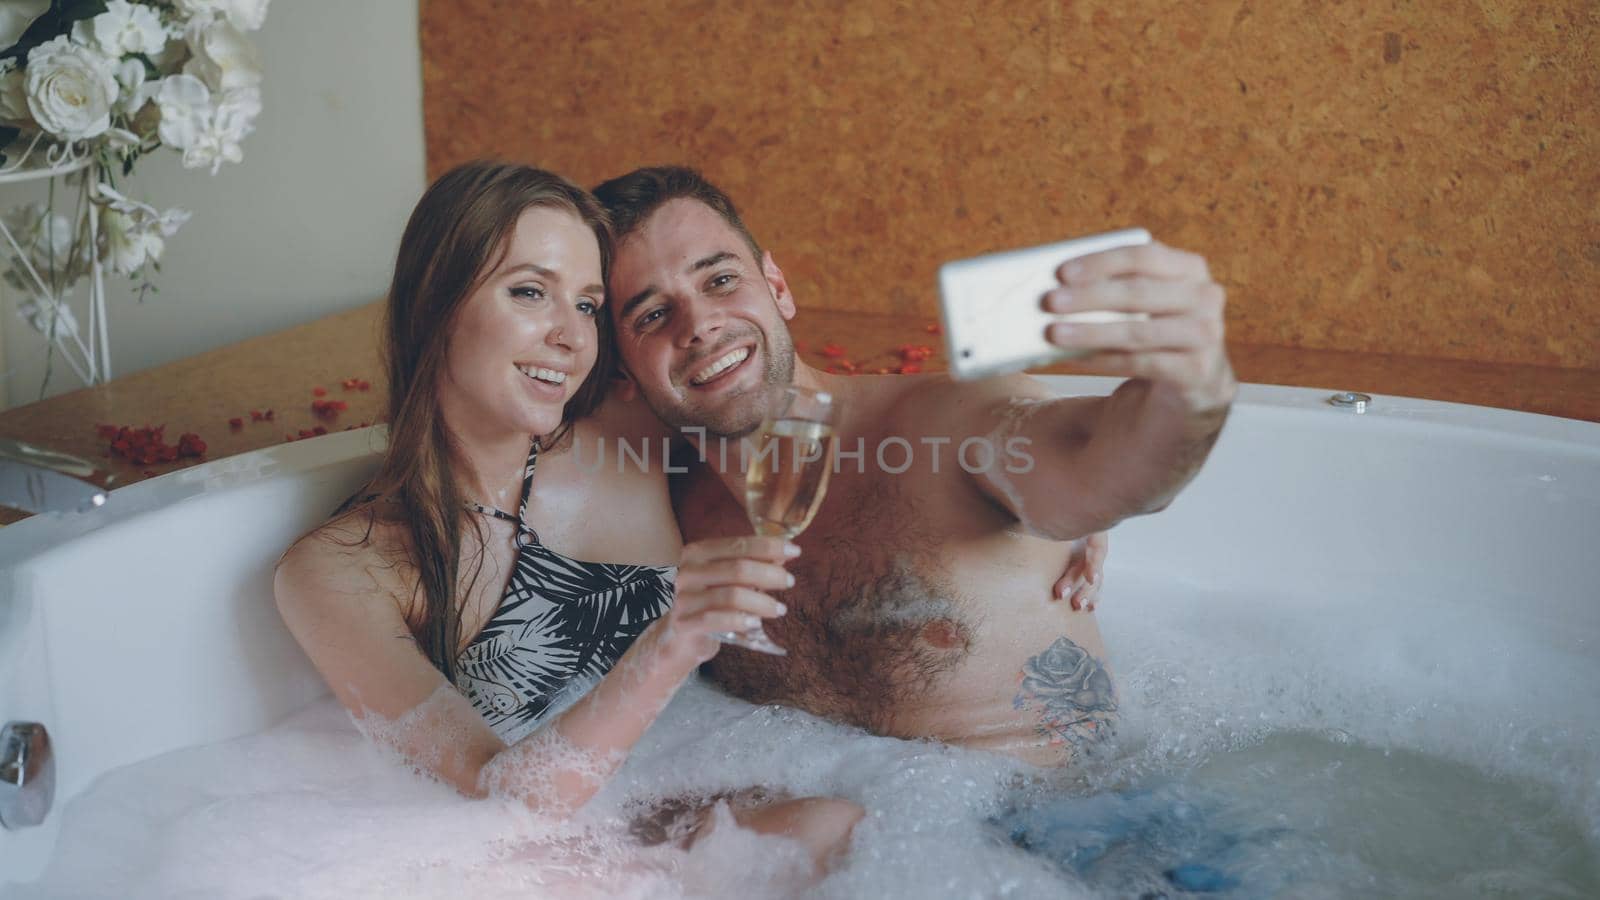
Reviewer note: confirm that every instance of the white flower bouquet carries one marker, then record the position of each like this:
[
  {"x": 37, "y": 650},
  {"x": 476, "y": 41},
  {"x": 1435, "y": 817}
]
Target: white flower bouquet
[{"x": 90, "y": 86}]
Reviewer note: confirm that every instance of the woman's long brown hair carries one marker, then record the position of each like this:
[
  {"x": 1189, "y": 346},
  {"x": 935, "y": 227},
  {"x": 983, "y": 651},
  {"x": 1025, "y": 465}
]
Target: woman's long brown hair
[{"x": 458, "y": 233}]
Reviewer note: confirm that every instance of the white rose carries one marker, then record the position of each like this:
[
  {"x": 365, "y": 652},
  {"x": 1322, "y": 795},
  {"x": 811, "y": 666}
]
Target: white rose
[
  {"x": 70, "y": 89},
  {"x": 122, "y": 29},
  {"x": 223, "y": 57},
  {"x": 16, "y": 16}
]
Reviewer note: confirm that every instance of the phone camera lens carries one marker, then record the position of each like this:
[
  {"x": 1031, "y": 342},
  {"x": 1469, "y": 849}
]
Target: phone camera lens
[{"x": 966, "y": 352}]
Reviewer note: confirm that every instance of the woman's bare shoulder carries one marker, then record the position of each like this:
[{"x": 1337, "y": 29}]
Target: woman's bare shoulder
[
  {"x": 354, "y": 554},
  {"x": 605, "y": 497}
]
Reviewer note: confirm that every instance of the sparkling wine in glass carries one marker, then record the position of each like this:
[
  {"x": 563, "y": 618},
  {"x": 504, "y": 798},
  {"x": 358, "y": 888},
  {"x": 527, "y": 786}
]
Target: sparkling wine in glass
[
  {"x": 787, "y": 464},
  {"x": 788, "y": 477}
]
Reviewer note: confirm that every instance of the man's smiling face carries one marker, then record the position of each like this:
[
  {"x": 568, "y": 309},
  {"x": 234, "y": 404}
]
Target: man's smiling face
[{"x": 700, "y": 322}]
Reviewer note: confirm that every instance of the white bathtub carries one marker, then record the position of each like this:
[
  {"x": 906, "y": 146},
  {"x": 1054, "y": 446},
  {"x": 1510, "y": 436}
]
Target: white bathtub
[{"x": 148, "y": 625}]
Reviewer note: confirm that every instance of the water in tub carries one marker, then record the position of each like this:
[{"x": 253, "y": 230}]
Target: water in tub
[{"x": 1264, "y": 751}]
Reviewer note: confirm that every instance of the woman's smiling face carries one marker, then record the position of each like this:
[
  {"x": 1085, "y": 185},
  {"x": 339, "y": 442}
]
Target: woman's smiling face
[{"x": 526, "y": 337}]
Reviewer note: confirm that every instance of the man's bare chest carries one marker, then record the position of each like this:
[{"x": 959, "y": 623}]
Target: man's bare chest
[{"x": 873, "y": 615}]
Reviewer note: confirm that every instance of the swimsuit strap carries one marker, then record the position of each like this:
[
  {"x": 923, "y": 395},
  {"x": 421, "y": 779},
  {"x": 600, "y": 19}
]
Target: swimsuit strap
[{"x": 525, "y": 534}]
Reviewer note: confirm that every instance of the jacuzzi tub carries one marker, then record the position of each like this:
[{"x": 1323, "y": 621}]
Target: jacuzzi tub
[
  {"x": 1436, "y": 541},
  {"x": 150, "y": 625}
]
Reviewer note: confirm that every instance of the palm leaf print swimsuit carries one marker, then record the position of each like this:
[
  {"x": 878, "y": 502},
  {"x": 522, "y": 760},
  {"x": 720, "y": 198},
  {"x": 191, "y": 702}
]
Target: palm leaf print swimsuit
[{"x": 560, "y": 626}]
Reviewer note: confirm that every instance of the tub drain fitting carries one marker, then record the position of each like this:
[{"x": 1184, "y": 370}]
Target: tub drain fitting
[{"x": 1350, "y": 400}]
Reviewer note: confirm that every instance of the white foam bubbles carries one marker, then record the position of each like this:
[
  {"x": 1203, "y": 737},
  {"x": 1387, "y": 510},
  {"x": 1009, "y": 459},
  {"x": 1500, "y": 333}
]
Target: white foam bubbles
[
  {"x": 1383, "y": 754},
  {"x": 313, "y": 809},
  {"x": 547, "y": 772}
]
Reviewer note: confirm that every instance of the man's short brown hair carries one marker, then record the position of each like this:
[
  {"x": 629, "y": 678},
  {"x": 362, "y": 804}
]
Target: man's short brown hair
[{"x": 631, "y": 198}]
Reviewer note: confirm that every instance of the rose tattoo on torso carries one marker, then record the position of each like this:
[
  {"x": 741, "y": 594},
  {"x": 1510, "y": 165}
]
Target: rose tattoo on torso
[{"x": 1071, "y": 693}]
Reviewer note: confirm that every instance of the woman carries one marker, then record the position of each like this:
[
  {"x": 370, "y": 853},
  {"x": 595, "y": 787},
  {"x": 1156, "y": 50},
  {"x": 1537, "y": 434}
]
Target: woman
[{"x": 451, "y": 609}]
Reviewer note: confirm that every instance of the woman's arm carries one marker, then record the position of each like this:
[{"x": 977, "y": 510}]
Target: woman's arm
[{"x": 342, "y": 607}]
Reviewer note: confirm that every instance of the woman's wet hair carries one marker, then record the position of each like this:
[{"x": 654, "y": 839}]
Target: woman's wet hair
[{"x": 459, "y": 232}]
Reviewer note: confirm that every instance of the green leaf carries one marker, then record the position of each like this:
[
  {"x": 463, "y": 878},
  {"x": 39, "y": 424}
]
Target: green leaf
[
  {"x": 7, "y": 135},
  {"x": 73, "y": 10},
  {"x": 54, "y": 21}
]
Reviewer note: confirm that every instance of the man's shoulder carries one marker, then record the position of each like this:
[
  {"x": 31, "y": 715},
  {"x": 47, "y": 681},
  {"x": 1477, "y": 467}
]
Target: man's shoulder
[
  {"x": 961, "y": 406},
  {"x": 624, "y": 419}
]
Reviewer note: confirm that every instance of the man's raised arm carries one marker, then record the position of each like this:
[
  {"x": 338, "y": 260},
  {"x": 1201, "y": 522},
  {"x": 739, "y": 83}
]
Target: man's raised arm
[{"x": 1066, "y": 467}]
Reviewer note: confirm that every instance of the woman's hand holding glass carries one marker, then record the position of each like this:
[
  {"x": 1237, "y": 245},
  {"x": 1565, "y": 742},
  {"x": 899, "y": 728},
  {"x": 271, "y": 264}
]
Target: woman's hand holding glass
[{"x": 722, "y": 587}]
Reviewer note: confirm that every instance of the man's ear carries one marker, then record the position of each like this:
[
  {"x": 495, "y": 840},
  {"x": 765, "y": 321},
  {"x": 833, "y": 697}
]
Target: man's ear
[{"x": 779, "y": 284}]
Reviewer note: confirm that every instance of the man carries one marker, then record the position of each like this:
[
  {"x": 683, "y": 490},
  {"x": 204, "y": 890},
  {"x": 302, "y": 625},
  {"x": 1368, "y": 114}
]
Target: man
[{"x": 921, "y": 606}]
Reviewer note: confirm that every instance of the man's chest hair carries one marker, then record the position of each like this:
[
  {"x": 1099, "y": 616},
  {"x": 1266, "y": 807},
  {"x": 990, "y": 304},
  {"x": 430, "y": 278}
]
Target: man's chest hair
[{"x": 872, "y": 617}]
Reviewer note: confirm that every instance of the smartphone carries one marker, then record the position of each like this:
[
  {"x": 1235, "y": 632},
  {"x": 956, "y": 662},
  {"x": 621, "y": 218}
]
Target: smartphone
[{"x": 994, "y": 322}]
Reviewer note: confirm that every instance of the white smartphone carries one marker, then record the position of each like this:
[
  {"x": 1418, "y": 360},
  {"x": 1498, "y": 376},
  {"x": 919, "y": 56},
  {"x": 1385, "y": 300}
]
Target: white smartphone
[{"x": 994, "y": 322}]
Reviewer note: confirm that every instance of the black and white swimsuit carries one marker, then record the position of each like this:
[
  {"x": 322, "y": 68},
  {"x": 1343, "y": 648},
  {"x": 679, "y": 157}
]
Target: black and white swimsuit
[{"x": 561, "y": 625}]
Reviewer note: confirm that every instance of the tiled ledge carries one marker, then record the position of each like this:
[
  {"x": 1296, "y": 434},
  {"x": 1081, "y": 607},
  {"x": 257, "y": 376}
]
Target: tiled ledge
[{"x": 278, "y": 372}]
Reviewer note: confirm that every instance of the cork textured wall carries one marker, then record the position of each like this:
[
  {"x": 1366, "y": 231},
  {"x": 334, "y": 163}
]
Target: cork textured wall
[{"x": 1393, "y": 176}]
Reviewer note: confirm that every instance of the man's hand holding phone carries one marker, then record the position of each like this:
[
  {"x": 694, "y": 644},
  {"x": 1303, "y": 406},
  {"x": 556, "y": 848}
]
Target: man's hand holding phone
[
  {"x": 1180, "y": 339},
  {"x": 1117, "y": 304}
]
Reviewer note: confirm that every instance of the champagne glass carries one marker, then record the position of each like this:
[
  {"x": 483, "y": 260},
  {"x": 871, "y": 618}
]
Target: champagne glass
[{"x": 787, "y": 464}]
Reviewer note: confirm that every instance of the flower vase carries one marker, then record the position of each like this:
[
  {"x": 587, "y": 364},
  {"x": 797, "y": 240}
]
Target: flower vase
[{"x": 43, "y": 289}]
